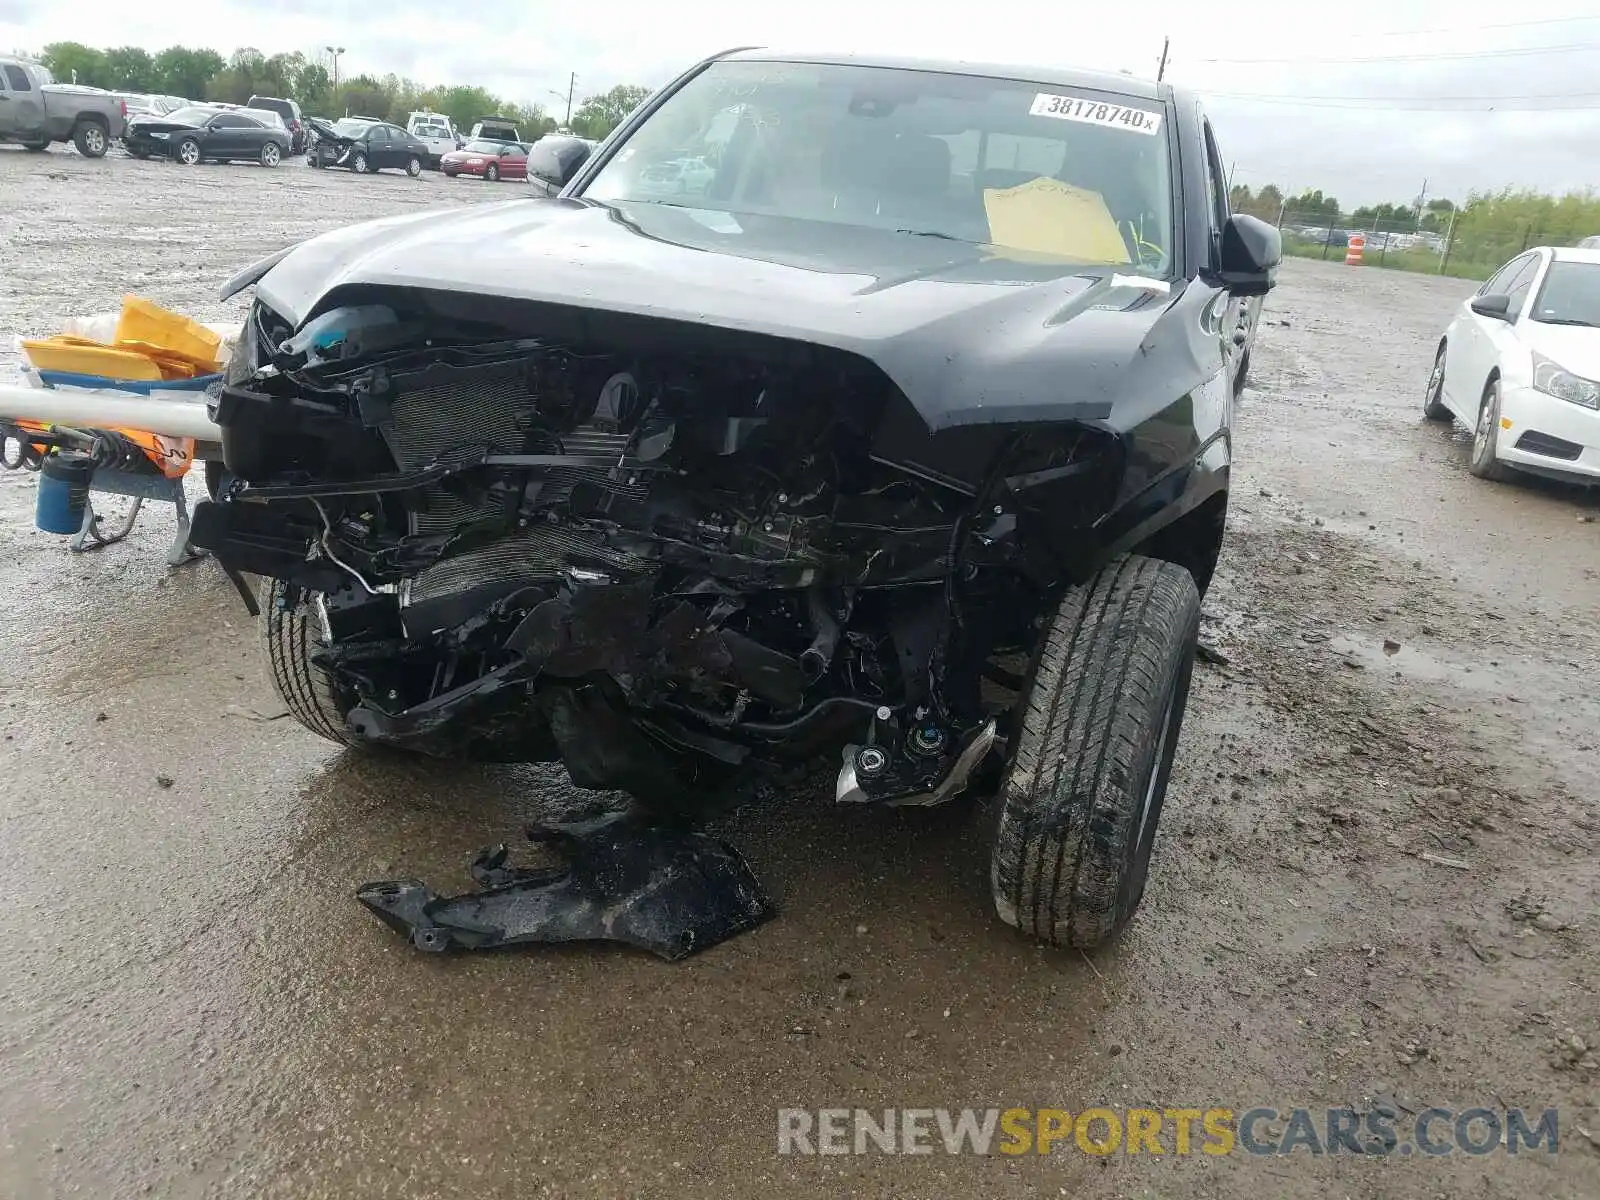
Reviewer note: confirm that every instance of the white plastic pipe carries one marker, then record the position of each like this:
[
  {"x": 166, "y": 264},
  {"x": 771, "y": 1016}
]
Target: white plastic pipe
[{"x": 110, "y": 410}]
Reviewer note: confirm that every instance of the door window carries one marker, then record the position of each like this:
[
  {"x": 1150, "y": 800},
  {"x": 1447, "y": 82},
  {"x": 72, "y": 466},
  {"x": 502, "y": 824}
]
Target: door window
[
  {"x": 1216, "y": 189},
  {"x": 18, "y": 78},
  {"x": 1519, "y": 286},
  {"x": 1501, "y": 280},
  {"x": 379, "y": 136}
]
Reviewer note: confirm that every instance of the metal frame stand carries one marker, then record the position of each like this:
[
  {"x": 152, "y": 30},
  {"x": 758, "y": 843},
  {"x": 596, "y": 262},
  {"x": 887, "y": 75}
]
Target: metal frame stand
[{"x": 110, "y": 480}]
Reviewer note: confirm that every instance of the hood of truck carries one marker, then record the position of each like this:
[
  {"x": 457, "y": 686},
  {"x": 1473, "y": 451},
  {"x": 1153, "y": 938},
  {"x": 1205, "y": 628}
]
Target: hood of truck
[{"x": 969, "y": 333}]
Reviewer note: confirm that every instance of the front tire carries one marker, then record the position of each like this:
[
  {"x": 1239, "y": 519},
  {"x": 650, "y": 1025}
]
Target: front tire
[
  {"x": 1240, "y": 375},
  {"x": 359, "y": 165},
  {"x": 491, "y": 172},
  {"x": 1433, "y": 407},
  {"x": 290, "y": 636},
  {"x": 271, "y": 154},
  {"x": 188, "y": 152},
  {"x": 1093, "y": 751},
  {"x": 1485, "y": 463},
  {"x": 91, "y": 138}
]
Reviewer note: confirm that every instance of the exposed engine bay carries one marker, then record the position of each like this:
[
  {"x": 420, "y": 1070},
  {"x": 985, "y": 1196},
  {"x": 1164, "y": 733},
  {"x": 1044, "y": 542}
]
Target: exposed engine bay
[{"x": 644, "y": 550}]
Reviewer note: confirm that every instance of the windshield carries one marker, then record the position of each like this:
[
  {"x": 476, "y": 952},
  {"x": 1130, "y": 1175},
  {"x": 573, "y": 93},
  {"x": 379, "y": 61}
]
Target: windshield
[
  {"x": 431, "y": 129},
  {"x": 192, "y": 116},
  {"x": 1570, "y": 295},
  {"x": 482, "y": 147},
  {"x": 1054, "y": 171},
  {"x": 349, "y": 127}
]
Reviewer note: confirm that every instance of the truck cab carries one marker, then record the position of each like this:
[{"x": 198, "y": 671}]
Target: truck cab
[
  {"x": 437, "y": 132},
  {"x": 22, "y": 101},
  {"x": 35, "y": 111}
]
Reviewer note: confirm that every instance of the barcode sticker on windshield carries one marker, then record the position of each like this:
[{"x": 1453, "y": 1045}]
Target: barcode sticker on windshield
[{"x": 1096, "y": 112}]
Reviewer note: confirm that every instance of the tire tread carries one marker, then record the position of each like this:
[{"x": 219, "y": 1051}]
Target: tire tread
[
  {"x": 305, "y": 688},
  {"x": 1108, "y": 659}
]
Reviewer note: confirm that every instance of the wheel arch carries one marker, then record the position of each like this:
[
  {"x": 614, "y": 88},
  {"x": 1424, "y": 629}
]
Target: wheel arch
[{"x": 1193, "y": 541}]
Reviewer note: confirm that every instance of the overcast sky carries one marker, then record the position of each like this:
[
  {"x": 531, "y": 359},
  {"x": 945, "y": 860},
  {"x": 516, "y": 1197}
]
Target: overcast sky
[{"x": 1360, "y": 152}]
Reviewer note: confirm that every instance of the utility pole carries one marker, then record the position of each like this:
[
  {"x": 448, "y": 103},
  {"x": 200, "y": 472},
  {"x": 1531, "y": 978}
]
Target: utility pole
[
  {"x": 1449, "y": 242},
  {"x": 1161, "y": 70},
  {"x": 572, "y": 84},
  {"x": 1422, "y": 197}
]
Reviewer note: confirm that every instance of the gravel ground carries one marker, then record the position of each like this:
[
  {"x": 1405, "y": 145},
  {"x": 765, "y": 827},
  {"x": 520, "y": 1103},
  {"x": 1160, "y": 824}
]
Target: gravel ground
[{"x": 1376, "y": 882}]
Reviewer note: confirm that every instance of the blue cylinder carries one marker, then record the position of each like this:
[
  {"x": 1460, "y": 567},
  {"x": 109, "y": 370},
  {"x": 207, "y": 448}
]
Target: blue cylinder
[{"x": 63, "y": 491}]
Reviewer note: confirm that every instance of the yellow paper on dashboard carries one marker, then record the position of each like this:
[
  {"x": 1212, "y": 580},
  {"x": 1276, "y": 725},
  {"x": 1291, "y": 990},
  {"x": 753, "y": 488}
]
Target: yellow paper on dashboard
[{"x": 1048, "y": 216}]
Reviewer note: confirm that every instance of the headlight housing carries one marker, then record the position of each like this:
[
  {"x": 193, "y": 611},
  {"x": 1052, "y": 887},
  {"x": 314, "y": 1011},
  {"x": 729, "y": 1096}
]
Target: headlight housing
[{"x": 1553, "y": 380}]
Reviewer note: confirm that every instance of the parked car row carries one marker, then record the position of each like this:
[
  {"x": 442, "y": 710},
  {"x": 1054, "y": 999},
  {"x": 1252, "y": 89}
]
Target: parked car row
[
  {"x": 36, "y": 111},
  {"x": 141, "y": 103}
]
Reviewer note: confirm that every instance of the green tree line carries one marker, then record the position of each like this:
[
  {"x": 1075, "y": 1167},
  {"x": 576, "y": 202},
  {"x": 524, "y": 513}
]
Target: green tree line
[{"x": 205, "y": 75}]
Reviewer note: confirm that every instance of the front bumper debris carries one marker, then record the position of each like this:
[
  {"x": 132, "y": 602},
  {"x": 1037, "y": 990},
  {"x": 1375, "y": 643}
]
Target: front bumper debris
[{"x": 671, "y": 892}]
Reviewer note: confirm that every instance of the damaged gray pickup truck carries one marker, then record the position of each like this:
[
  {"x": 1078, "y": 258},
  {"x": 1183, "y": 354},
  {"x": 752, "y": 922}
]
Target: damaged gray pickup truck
[{"x": 897, "y": 430}]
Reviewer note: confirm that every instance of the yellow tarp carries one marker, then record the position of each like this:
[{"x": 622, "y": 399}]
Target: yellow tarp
[
  {"x": 151, "y": 343},
  {"x": 1047, "y": 216}
]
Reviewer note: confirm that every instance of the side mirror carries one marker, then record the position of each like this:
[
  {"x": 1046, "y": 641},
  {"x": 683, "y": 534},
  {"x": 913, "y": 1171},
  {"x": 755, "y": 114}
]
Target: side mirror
[
  {"x": 1251, "y": 252},
  {"x": 1496, "y": 305},
  {"x": 556, "y": 169}
]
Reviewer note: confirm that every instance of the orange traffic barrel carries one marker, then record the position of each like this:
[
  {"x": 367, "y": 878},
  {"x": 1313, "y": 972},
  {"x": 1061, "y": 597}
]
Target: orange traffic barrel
[{"x": 1354, "y": 249}]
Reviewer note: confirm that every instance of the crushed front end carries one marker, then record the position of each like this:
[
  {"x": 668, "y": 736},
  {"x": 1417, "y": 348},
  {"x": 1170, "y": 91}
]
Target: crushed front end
[{"x": 646, "y": 548}]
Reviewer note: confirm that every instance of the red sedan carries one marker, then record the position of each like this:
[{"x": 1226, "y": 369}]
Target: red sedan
[{"x": 487, "y": 160}]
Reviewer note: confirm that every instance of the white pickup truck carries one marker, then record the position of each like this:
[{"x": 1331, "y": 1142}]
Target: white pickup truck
[
  {"x": 35, "y": 111},
  {"x": 435, "y": 131}
]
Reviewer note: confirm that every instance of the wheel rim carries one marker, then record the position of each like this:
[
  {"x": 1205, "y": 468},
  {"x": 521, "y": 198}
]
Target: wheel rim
[
  {"x": 414, "y": 168},
  {"x": 492, "y": 174},
  {"x": 189, "y": 152},
  {"x": 1436, "y": 380},
  {"x": 1157, "y": 780},
  {"x": 360, "y": 164},
  {"x": 1485, "y": 431},
  {"x": 94, "y": 139},
  {"x": 269, "y": 155},
  {"x": 1142, "y": 844}
]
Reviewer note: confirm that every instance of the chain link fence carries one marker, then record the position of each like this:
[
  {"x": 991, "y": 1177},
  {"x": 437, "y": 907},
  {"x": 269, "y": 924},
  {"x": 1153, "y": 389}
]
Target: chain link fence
[{"x": 1464, "y": 243}]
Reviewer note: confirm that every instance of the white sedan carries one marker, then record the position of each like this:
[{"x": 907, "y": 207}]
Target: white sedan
[{"x": 1520, "y": 366}]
